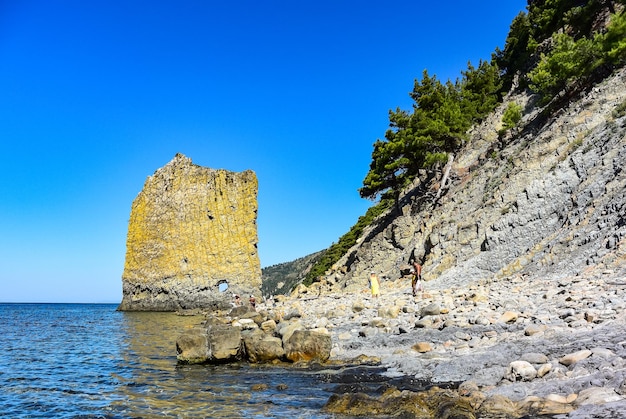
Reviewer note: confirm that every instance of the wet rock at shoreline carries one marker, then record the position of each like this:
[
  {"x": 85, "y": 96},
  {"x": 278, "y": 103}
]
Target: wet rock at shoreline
[
  {"x": 308, "y": 345},
  {"x": 226, "y": 339},
  {"x": 262, "y": 347}
]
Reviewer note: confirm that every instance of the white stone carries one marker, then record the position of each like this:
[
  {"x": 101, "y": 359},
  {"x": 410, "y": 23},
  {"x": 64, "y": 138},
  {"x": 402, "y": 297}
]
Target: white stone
[{"x": 521, "y": 371}]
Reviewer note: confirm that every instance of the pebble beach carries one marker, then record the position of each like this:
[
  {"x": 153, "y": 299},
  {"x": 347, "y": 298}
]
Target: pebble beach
[{"x": 556, "y": 344}]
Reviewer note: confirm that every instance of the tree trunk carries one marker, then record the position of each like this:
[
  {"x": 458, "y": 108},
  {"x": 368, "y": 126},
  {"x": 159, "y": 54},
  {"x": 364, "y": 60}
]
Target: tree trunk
[{"x": 446, "y": 173}]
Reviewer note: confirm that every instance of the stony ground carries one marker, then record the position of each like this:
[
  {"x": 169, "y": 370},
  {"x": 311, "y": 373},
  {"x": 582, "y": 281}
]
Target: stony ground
[{"x": 561, "y": 340}]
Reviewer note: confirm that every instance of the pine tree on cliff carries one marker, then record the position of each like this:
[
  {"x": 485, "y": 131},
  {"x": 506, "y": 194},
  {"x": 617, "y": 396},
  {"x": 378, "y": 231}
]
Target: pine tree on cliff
[{"x": 420, "y": 141}]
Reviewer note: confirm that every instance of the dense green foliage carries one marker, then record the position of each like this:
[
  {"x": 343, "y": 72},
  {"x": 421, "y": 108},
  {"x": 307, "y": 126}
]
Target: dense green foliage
[
  {"x": 529, "y": 31},
  {"x": 337, "y": 250},
  {"x": 547, "y": 16},
  {"x": 567, "y": 63},
  {"x": 614, "y": 41},
  {"x": 421, "y": 139},
  {"x": 515, "y": 56},
  {"x": 571, "y": 61},
  {"x": 480, "y": 90},
  {"x": 512, "y": 115}
]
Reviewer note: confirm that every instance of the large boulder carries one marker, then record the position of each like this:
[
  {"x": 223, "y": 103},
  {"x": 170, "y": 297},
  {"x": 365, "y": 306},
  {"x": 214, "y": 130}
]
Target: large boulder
[
  {"x": 217, "y": 343},
  {"x": 286, "y": 329},
  {"x": 262, "y": 347},
  {"x": 308, "y": 345},
  {"x": 192, "y": 347},
  {"x": 224, "y": 343},
  {"x": 242, "y": 339}
]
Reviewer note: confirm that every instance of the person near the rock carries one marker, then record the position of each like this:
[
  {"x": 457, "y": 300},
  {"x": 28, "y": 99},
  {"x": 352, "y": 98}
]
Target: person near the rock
[
  {"x": 236, "y": 300},
  {"x": 416, "y": 279},
  {"x": 374, "y": 284},
  {"x": 252, "y": 301}
]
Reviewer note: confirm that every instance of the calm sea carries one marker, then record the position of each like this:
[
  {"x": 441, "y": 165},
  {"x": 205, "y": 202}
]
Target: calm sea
[{"x": 90, "y": 361}]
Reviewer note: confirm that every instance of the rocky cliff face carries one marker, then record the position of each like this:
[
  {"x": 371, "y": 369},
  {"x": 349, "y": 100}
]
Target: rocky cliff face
[
  {"x": 192, "y": 234},
  {"x": 545, "y": 201}
]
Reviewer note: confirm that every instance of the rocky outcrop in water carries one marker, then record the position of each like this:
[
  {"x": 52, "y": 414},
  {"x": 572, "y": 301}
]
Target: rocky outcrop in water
[
  {"x": 192, "y": 234},
  {"x": 243, "y": 335}
]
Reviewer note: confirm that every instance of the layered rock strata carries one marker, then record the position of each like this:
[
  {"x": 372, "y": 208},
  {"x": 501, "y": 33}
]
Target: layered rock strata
[
  {"x": 545, "y": 201},
  {"x": 192, "y": 239}
]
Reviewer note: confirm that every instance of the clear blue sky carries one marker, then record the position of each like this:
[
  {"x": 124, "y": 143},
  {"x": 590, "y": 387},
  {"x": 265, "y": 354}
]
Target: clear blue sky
[{"x": 96, "y": 95}]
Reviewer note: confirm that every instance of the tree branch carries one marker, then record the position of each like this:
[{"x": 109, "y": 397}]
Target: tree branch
[{"x": 446, "y": 173}]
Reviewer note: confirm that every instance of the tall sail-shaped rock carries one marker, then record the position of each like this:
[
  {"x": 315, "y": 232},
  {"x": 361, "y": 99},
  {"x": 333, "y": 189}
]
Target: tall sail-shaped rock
[{"x": 192, "y": 234}]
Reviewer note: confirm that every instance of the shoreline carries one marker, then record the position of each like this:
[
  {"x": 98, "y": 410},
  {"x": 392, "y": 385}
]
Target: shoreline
[{"x": 554, "y": 340}]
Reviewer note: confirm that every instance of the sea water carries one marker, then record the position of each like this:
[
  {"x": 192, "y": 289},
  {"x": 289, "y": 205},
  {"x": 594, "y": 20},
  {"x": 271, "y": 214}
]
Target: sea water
[{"x": 91, "y": 361}]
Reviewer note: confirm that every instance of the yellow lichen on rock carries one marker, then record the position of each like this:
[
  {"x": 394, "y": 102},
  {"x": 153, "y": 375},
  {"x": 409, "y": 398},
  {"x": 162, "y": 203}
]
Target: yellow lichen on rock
[{"x": 191, "y": 230}]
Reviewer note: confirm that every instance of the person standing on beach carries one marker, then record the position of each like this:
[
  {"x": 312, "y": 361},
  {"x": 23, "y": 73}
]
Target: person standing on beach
[
  {"x": 416, "y": 280},
  {"x": 374, "y": 284}
]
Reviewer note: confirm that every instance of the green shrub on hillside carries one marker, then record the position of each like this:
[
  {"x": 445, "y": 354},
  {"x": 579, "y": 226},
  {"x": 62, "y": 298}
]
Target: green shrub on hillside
[
  {"x": 571, "y": 61},
  {"x": 614, "y": 41},
  {"x": 620, "y": 110},
  {"x": 337, "y": 250},
  {"x": 512, "y": 115},
  {"x": 567, "y": 63}
]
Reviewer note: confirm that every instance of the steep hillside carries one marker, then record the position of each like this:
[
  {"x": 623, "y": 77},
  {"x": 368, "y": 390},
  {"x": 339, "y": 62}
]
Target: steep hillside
[
  {"x": 548, "y": 199},
  {"x": 284, "y": 277},
  {"x": 534, "y": 188}
]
